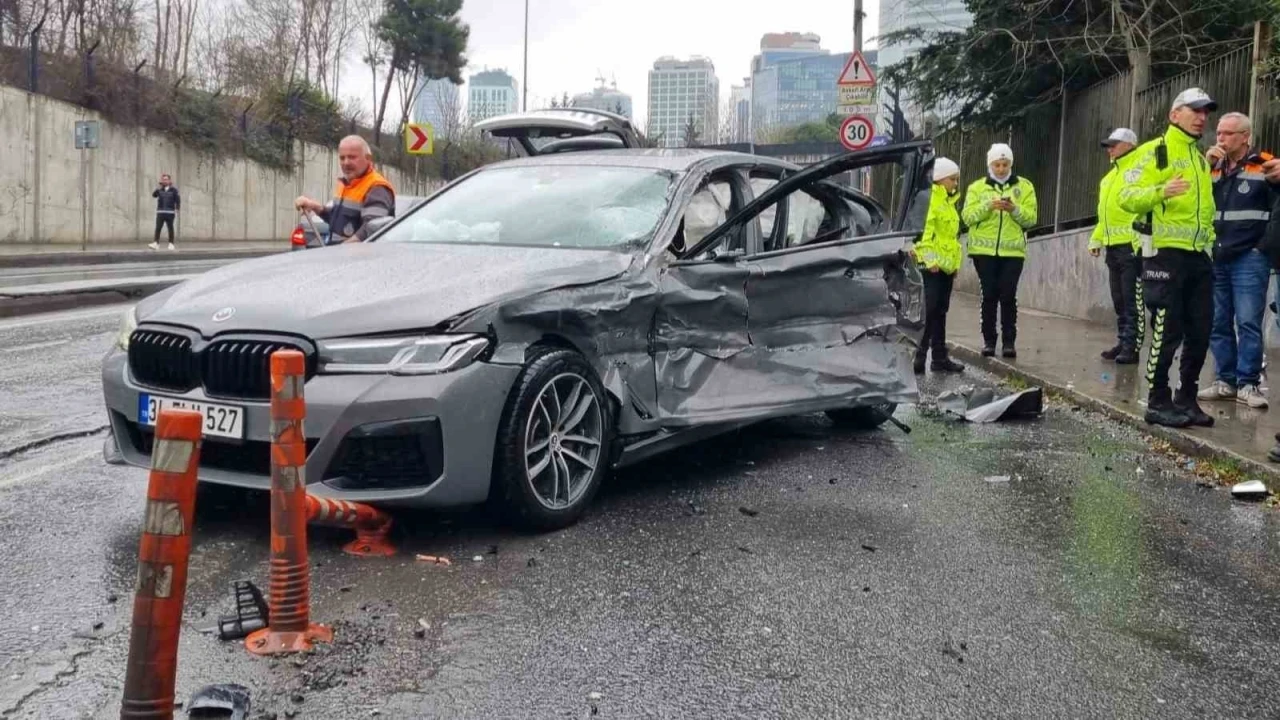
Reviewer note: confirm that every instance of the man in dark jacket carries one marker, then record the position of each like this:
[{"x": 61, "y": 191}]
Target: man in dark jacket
[
  {"x": 1242, "y": 199},
  {"x": 168, "y": 203}
]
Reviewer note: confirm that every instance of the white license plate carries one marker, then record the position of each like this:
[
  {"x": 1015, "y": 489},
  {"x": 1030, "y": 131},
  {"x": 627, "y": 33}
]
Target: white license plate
[{"x": 226, "y": 421}]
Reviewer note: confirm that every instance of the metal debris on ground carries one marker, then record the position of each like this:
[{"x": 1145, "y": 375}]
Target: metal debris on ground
[
  {"x": 1250, "y": 490},
  {"x": 982, "y": 405},
  {"x": 748, "y": 511},
  {"x": 433, "y": 559},
  {"x": 220, "y": 701}
]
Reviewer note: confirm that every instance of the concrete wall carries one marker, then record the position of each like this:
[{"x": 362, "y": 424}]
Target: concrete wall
[{"x": 224, "y": 199}]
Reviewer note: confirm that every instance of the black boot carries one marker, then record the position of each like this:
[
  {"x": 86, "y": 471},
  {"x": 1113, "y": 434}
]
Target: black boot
[
  {"x": 1009, "y": 352},
  {"x": 989, "y": 350},
  {"x": 1127, "y": 356},
  {"x": 946, "y": 365},
  {"x": 1162, "y": 411},
  {"x": 1112, "y": 353},
  {"x": 1186, "y": 403},
  {"x": 918, "y": 365}
]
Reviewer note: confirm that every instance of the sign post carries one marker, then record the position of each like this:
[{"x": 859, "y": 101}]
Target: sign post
[
  {"x": 419, "y": 138},
  {"x": 857, "y": 93},
  {"x": 87, "y": 134}
]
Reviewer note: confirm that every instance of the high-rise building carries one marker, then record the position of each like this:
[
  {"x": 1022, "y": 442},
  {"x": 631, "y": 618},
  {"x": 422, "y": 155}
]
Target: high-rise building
[
  {"x": 680, "y": 92},
  {"x": 438, "y": 102},
  {"x": 609, "y": 99},
  {"x": 739, "y": 125},
  {"x": 491, "y": 93},
  {"x": 793, "y": 82},
  {"x": 928, "y": 15}
]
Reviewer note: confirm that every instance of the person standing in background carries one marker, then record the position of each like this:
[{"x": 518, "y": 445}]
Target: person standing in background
[
  {"x": 998, "y": 210},
  {"x": 938, "y": 254},
  {"x": 1115, "y": 236},
  {"x": 168, "y": 203}
]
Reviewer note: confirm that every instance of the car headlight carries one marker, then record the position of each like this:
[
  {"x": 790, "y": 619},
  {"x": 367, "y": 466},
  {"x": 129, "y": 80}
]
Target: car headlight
[
  {"x": 409, "y": 355},
  {"x": 128, "y": 323}
]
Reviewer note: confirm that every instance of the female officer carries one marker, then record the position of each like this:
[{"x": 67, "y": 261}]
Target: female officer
[{"x": 938, "y": 254}]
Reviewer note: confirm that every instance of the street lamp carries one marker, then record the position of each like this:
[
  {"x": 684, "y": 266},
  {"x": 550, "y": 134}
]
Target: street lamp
[{"x": 524, "y": 99}]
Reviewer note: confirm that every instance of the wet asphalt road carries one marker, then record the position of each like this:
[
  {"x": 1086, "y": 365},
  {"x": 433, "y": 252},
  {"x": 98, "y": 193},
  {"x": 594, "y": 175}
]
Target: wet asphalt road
[{"x": 870, "y": 575}]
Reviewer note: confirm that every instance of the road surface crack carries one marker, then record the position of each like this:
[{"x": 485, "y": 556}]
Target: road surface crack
[{"x": 49, "y": 440}]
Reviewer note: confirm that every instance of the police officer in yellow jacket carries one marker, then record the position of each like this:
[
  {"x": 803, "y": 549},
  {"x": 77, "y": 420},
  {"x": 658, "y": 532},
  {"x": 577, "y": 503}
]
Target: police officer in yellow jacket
[
  {"x": 999, "y": 209},
  {"x": 1170, "y": 190},
  {"x": 938, "y": 255},
  {"x": 1114, "y": 235}
]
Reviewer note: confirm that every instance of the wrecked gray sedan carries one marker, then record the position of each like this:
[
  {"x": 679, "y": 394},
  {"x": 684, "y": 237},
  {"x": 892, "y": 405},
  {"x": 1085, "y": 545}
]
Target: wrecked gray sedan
[{"x": 542, "y": 320}]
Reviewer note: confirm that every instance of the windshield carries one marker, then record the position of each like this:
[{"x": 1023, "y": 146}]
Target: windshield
[{"x": 543, "y": 205}]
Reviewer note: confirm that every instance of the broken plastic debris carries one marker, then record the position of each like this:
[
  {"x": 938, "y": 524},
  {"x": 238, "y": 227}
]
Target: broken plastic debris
[
  {"x": 478, "y": 558},
  {"x": 997, "y": 478},
  {"x": 595, "y": 696},
  {"x": 981, "y": 405},
  {"x": 252, "y": 612},
  {"x": 436, "y": 560},
  {"x": 1249, "y": 489},
  {"x": 220, "y": 701}
]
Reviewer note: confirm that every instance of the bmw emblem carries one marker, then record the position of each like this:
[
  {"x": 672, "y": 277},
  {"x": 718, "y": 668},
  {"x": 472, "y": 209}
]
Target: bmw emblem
[{"x": 224, "y": 314}]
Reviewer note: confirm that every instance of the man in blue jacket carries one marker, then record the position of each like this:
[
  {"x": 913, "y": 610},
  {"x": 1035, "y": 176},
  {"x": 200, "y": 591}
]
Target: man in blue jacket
[{"x": 1242, "y": 198}]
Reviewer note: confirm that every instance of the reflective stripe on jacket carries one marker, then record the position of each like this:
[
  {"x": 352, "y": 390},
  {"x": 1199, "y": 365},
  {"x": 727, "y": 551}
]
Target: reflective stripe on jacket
[
  {"x": 358, "y": 201},
  {"x": 1242, "y": 199},
  {"x": 1184, "y": 222},
  {"x": 1115, "y": 224},
  {"x": 1000, "y": 234},
  {"x": 939, "y": 245}
]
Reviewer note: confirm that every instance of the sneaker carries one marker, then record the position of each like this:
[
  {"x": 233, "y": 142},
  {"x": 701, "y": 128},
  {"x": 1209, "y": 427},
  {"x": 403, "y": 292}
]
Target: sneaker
[
  {"x": 171, "y": 247},
  {"x": 946, "y": 366},
  {"x": 154, "y": 246},
  {"x": 1250, "y": 395},
  {"x": 1219, "y": 390}
]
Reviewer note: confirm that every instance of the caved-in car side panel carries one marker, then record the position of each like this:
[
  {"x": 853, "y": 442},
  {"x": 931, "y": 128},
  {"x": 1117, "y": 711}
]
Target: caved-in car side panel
[
  {"x": 700, "y": 324},
  {"x": 608, "y": 322}
]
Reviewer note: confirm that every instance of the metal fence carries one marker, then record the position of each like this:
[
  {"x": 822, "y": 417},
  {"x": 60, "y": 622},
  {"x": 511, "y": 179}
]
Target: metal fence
[{"x": 1061, "y": 155}]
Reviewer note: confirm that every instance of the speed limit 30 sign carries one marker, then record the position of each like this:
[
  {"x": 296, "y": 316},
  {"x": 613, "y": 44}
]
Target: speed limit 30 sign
[{"x": 857, "y": 132}]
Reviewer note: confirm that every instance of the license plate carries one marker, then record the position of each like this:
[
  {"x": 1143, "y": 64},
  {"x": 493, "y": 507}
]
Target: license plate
[{"x": 225, "y": 421}]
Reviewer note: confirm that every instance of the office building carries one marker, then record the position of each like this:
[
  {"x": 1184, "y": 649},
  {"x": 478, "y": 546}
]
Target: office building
[
  {"x": 680, "y": 92},
  {"x": 738, "y": 128},
  {"x": 609, "y": 99},
  {"x": 438, "y": 102},
  {"x": 491, "y": 93},
  {"x": 793, "y": 82}
]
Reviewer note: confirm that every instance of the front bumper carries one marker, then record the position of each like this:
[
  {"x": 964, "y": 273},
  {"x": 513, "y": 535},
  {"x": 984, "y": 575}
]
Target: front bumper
[{"x": 424, "y": 441}]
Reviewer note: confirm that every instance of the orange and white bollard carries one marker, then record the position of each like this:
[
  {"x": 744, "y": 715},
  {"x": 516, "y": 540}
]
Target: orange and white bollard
[
  {"x": 163, "y": 554},
  {"x": 372, "y": 526},
  {"x": 289, "y": 592}
]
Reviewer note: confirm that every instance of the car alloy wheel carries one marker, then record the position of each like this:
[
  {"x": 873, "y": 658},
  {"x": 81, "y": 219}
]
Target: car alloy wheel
[{"x": 563, "y": 439}]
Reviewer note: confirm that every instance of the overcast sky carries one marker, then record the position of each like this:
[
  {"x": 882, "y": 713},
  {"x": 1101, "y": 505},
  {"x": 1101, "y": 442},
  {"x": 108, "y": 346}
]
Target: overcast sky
[{"x": 571, "y": 41}]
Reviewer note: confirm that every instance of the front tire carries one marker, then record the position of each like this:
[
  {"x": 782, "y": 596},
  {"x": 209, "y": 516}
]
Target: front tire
[
  {"x": 866, "y": 417},
  {"x": 552, "y": 449}
]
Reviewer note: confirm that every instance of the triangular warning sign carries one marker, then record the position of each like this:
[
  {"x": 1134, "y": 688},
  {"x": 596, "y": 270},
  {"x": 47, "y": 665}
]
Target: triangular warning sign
[{"x": 857, "y": 72}]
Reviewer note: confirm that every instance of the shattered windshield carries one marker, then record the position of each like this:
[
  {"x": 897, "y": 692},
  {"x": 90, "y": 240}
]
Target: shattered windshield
[{"x": 581, "y": 206}]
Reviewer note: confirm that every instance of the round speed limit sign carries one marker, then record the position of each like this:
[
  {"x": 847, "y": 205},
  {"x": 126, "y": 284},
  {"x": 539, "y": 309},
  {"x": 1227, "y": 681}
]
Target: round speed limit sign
[{"x": 856, "y": 132}]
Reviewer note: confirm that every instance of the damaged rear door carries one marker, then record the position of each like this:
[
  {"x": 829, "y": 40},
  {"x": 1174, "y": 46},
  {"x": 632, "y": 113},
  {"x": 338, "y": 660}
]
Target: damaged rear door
[{"x": 828, "y": 294}]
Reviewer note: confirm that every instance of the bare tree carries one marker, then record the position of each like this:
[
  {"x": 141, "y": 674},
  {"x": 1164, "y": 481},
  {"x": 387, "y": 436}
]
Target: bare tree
[{"x": 373, "y": 49}]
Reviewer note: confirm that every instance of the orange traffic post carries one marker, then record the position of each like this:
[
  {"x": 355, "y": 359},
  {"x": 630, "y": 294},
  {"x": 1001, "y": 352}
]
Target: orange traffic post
[
  {"x": 163, "y": 553},
  {"x": 289, "y": 629},
  {"x": 372, "y": 526}
]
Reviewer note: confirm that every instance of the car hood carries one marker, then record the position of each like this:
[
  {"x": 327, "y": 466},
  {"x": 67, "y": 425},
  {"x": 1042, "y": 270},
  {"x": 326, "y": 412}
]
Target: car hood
[{"x": 364, "y": 288}]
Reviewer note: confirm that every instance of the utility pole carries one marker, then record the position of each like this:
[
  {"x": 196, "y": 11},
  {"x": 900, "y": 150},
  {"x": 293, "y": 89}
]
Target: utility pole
[
  {"x": 524, "y": 100},
  {"x": 857, "y": 25}
]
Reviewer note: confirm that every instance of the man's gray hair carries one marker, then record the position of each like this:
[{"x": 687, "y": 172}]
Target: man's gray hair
[
  {"x": 1246, "y": 125},
  {"x": 364, "y": 144}
]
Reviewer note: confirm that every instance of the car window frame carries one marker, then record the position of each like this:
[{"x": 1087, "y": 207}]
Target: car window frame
[{"x": 739, "y": 197}]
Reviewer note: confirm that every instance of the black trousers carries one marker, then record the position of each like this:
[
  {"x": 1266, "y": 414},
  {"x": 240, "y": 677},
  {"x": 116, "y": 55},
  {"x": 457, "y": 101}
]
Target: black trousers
[
  {"x": 937, "y": 301},
  {"x": 161, "y": 221},
  {"x": 1178, "y": 289},
  {"x": 999, "y": 278},
  {"x": 1124, "y": 270}
]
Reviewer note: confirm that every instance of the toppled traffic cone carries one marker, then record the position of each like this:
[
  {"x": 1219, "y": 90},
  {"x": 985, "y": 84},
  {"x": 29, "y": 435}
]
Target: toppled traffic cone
[
  {"x": 372, "y": 526},
  {"x": 163, "y": 554},
  {"x": 289, "y": 627}
]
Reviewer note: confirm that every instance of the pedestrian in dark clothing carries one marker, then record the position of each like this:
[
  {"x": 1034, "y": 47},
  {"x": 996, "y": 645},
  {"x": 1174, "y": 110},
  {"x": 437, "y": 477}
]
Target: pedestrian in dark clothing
[{"x": 168, "y": 203}]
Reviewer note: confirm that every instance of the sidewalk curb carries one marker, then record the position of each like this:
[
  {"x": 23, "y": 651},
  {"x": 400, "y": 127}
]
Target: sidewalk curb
[
  {"x": 12, "y": 306},
  {"x": 1182, "y": 441}
]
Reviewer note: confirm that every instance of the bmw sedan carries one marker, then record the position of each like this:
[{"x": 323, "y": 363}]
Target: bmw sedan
[{"x": 543, "y": 320}]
